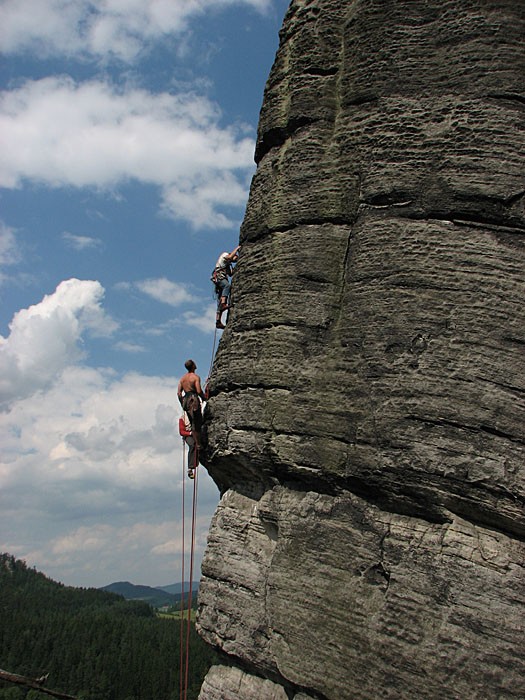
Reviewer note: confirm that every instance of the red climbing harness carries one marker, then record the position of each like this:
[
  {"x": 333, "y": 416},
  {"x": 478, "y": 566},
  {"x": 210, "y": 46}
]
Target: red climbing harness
[{"x": 183, "y": 430}]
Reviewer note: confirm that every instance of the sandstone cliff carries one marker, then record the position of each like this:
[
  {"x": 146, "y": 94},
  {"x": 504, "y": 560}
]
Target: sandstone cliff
[{"x": 366, "y": 421}]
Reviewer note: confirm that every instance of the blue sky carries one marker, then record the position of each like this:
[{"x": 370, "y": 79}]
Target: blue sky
[{"x": 127, "y": 134}]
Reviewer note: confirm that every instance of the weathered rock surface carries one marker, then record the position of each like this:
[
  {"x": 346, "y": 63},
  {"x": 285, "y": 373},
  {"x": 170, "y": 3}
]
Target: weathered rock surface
[{"x": 366, "y": 422}]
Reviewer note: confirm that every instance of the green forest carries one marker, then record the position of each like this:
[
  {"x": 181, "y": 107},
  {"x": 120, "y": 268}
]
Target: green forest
[{"x": 94, "y": 645}]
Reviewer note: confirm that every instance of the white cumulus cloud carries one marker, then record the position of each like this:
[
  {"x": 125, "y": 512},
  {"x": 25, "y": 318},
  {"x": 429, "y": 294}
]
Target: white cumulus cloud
[
  {"x": 44, "y": 338},
  {"x": 61, "y": 133}
]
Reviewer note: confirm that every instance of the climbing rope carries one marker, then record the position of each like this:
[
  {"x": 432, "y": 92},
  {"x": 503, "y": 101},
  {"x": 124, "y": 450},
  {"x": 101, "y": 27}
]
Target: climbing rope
[
  {"x": 183, "y": 557},
  {"x": 190, "y": 592},
  {"x": 211, "y": 363},
  {"x": 185, "y": 622}
]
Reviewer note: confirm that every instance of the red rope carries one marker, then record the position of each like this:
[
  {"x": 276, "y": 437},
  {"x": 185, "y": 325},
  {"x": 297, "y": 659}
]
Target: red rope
[
  {"x": 185, "y": 620},
  {"x": 181, "y": 639},
  {"x": 190, "y": 592}
]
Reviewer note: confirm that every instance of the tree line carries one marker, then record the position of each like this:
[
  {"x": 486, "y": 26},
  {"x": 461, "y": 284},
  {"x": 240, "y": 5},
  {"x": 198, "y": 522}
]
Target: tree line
[{"x": 94, "y": 645}]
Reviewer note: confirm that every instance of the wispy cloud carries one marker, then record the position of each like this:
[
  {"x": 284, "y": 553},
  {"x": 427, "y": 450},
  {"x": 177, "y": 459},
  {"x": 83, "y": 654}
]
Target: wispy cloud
[
  {"x": 8, "y": 248},
  {"x": 204, "y": 322},
  {"x": 80, "y": 242},
  {"x": 200, "y": 202},
  {"x": 164, "y": 290},
  {"x": 129, "y": 347},
  {"x": 99, "y": 28},
  {"x": 9, "y": 252},
  {"x": 61, "y": 133}
]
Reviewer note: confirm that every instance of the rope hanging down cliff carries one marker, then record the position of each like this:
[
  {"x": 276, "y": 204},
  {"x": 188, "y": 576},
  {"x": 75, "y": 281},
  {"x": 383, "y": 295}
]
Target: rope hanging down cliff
[
  {"x": 185, "y": 613},
  {"x": 190, "y": 394}
]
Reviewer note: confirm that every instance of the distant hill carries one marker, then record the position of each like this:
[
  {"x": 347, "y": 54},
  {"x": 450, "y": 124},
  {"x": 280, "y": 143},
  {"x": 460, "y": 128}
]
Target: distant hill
[
  {"x": 153, "y": 596},
  {"x": 156, "y": 597},
  {"x": 176, "y": 588}
]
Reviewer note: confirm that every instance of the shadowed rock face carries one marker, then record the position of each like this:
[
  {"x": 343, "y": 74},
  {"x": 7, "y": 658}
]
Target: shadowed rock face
[{"x": 366, "y": 421}]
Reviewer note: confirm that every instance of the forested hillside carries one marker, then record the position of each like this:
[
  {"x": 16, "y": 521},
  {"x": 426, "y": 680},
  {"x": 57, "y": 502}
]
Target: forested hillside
[{"x": 94, "y": 644}]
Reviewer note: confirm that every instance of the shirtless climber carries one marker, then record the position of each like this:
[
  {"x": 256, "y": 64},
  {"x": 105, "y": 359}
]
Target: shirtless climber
[
  {"x": 190, "y": 394},
  {"x": 222, "y": 272}
]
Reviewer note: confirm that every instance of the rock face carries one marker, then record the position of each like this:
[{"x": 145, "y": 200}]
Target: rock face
[{"x": 366, "y": 421}]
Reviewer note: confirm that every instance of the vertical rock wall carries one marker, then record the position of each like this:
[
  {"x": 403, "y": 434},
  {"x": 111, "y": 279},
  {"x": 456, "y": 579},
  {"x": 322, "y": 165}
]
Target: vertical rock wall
[{"x": 366, "y": 421}]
